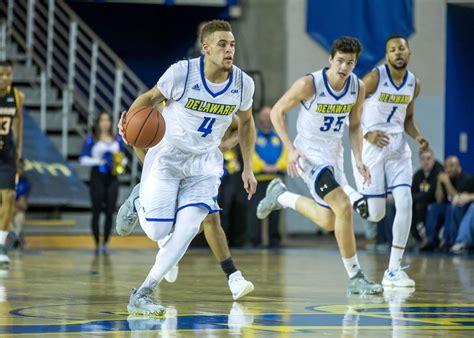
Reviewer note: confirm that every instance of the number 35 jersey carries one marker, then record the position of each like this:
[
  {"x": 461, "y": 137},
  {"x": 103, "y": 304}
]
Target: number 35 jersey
[
  {"x": 321, "y": 119},
  {"x": 198, "y": 111},
  {"x": 386, "y": 108}
]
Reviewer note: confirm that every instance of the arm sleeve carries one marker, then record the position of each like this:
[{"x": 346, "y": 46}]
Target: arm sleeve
[
  {"x": 248, "y": 89},
  {"x": 173, "y": 82}
]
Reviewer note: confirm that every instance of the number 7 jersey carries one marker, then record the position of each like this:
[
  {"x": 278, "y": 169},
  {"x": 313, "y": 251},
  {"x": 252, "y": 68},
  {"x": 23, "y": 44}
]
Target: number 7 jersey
[
  {"x": 321, "y": 118},
  {"x": 386, "y": 108},
  {"x": 199, "y": 112}
]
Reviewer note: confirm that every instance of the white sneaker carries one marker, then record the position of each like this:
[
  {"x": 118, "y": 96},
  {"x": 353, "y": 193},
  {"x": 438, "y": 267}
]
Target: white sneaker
[
  {"x": 397, "y": 278},
  {"x": 239, "y": 286},
  {"x": 172, "y": 275},
  {"x": 4, "y": 260}
]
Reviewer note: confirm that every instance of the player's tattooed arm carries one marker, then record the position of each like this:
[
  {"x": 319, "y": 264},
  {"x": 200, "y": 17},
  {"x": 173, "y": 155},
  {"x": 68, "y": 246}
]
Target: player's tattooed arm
[
  {"x": 377, "y": 137},
  {"x": 355, "y": 134},
  {"x": 301, "y": 90},
  {"x": 410, "y": 126}
]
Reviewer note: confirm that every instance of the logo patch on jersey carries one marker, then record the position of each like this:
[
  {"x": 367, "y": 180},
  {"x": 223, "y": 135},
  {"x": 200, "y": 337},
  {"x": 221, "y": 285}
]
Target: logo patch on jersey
[
  {"x": 208, "y": 107},
  {"x": 393, "y": 98},
  {"x": 10, "y": 99},
  {"x": 334, "y": 108},
  {"x": 353, "y": 93},
  {"x": 410, "y": 84},
  {"x": 196, "y": 87},
  {"x": 322, "y": 94},
  {"x": 385, "y": 84},
  {"x": 234, "y": 91}
]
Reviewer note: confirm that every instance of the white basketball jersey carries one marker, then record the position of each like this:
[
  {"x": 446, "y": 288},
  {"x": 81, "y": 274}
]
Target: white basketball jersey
[
  {"x": 197, "y": 117},
  {"x": 321, "y": 119},
  {"x": 386, "y": 108}
]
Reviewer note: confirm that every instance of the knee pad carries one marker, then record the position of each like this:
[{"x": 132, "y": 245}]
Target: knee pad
[
  {"x": 325, "y": 183},
  {"x": 376, "y": 209}
]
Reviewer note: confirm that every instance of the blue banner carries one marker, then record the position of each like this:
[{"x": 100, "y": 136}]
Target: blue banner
[
  {"x": 372, "y": 22},
  {"x": 53, "y": 181}
]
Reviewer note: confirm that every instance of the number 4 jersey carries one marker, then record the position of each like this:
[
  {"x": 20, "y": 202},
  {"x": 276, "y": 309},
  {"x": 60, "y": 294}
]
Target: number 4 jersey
[
  {"x": 386, "y": 108},
  {"x": 199, "y": 112},
  {"x": 320, "y": 124}
]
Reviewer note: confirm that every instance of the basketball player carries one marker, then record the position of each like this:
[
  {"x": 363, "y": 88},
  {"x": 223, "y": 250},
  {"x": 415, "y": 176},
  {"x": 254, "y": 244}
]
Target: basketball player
[
  {"x": 11, "y": 128},
  {"x": 325, "y": 99},
  {"x": 391, "y": 90},
  {"x": 215, "y": 235},
  {"x": 181, "y": 174}
]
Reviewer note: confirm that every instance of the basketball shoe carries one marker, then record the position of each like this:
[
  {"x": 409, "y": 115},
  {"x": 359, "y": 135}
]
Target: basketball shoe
[
  {"x": 397, "y": 278},
  {"x": 239, "y": 286},
  {"x": 127, "y": 216},
  {"x": 360, "y": 285},
  {"x": 270, "y": 201},
  {"x": 140, "y": 302}
]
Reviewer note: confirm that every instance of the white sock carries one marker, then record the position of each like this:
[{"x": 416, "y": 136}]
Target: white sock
[
  {"x": 354, "y": 196},
  {"x": 288, "y": 200},
  {"x": 352, "y": 265},
  {"x": 3, "y": 237},
  {"x": 396, "y": 255},
  {"x": 186, "y": 228}
]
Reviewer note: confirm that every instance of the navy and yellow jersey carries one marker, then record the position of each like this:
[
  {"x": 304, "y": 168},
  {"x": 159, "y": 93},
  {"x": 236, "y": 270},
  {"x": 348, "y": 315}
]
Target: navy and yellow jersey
[
  {"x": 9, "y": 108},
  {"x": 269, "y": 150}
]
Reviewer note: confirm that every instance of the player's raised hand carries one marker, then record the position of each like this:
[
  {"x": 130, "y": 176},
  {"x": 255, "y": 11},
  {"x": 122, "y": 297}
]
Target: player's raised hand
[
  {"x": 294, "y": 168},
  {"x": 424, "y": 144},
  {"x": 377, "y": 137},
  {"x": 250, "y": 183},
  {"x": 120, "y": 126},
  {"x": 364, "y": 171}
]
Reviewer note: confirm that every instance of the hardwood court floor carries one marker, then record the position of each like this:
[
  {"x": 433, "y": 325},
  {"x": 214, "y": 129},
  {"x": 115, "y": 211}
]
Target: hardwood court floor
[{"x": 72, "y": 293}]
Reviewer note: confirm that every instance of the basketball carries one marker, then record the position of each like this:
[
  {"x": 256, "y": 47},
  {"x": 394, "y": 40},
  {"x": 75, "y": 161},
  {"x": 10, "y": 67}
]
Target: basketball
[{"x": 144, "y": 127}]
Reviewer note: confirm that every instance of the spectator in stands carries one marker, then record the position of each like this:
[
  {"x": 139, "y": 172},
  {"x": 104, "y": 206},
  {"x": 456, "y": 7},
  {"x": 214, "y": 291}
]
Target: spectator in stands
[
  {"x": 464, "y": 239},
  {"x": 104, "y": 152},
  {"x": 423, "y": 193},
  {"x": 21, "y": 205},
  {"x": 450, "y": 183},
  {"x": 269, "y": 161}
]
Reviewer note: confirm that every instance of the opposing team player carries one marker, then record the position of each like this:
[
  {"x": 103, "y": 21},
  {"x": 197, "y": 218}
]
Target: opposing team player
[
  {"x": 11, "y": 129},
  {"x": 391, "y": 90},
  {"x": 181, "y": 174},
  {"x": 326, "y": 98}
]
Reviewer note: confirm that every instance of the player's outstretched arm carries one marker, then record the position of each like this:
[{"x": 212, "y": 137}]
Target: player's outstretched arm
[
  {"x": 301, "y": 90},
  {"x": 246, "y": 131},
  {"x": 410, "y": 126},
  {"x": 355, "y": 133}
]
